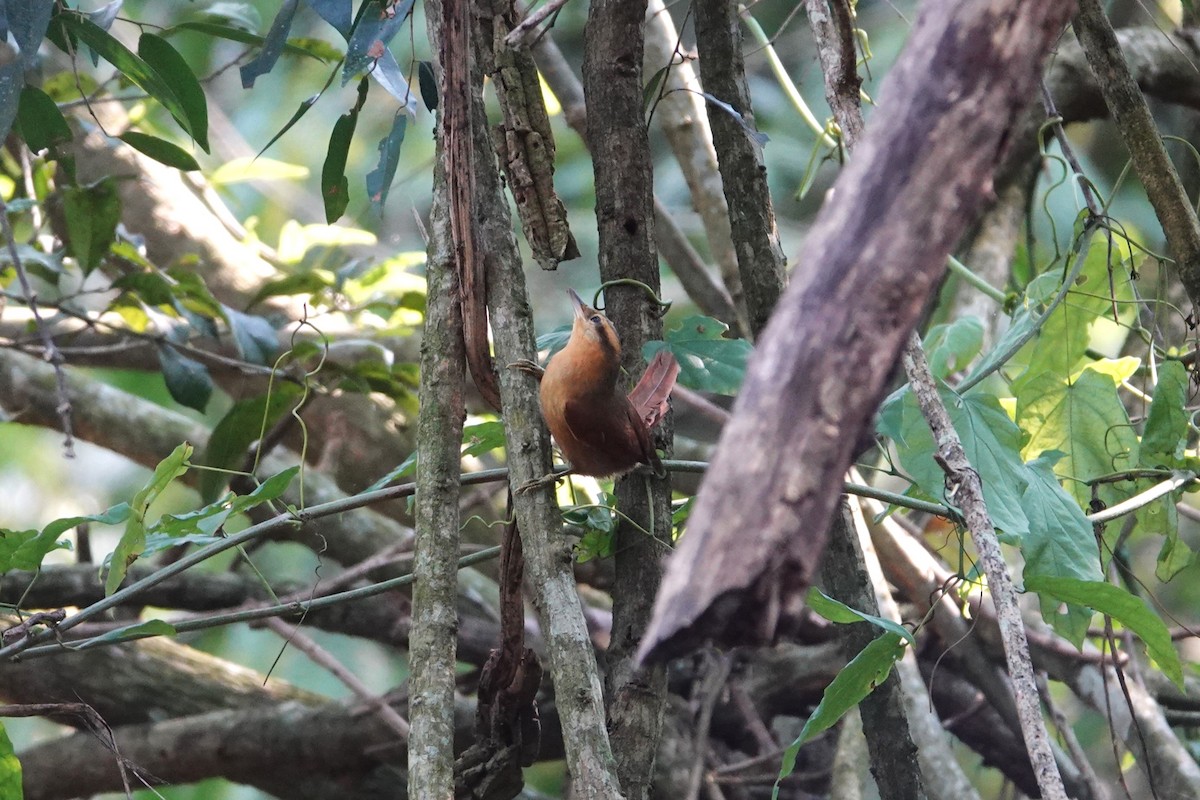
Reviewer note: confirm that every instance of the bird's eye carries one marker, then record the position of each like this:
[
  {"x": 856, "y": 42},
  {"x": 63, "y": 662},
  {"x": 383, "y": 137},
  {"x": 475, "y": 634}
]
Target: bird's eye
[{"x": 596, "y": 319}]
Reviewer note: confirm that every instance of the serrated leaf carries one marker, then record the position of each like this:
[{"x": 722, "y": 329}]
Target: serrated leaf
[
  {"x": 1122, "y": 606},
  {"x": 187, "y": 379},
  {"x": 41, "y": 124},
  {"x": 857, "y": 679},
  {"x": 991, "y": 441},
  {"x": 708, "y": 362},
  {"x": 242, "y": 425},
  {"x": 952, "y": 346},
  {"x": 1084, "y": 419},
  {"x": 133, "y": 540},
  {"x": 93, "y": 212},
  {"x": 160, "y": 150},
  {"x": 272, "y": 45},
  {"x": 130, "y": 65},
  {"x": 255, "y": 338},
  {"x": 141, "y": 630},
  {"x": 11, "y": 785},
  {"x": 174, "y": 70},
  {"x": 837, "y": 611},
  {"x": 379, "y": 180}
]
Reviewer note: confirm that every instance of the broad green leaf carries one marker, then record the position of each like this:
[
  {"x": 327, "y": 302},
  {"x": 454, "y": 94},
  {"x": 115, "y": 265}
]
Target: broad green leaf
[
  {"x": 142, "y": 630},
  {"x": 335, "y": 188},
  {"x": 990, "y": 439},
  {"x": 92, "y": 212},
  {"x": 41, "y": 123},
  {"x": 240, "y": 170},
  {"x": 952, "y": 346},
  {"x": 296, "y": 283},
  {"x": 1162, "y": 445},
  {"x": 204, "y": 524},
  {"x": 482, "y": 438},
  {"x": 1060, "y": 543},
  {"x": 160, "y": 150},
  {"x": 1122, "y": 606},
  {"x": 242, "y": 425},
  {"x": 857, "y": 679},
  {"x": 133, "y": 67},
  {"x": 187, "y": 379},
  {"x": 152, "y": 288},
  {"x": 255, "y": 338},
  {"x": 11, "y": 786},
  {"x": 175, "y": 72},
  {"x": 1083, "y": 418},
  {"x": 708, "y": 362},
  {"x": 837, "y": 611},
  {"x": 1064, "y": 338},
  {"x": 134, "y": 539},
  {"x": 1167, "y": 424}
]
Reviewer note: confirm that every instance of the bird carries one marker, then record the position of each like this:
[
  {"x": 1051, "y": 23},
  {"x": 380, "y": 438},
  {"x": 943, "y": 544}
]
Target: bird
[{"x": 602, "y": 431}]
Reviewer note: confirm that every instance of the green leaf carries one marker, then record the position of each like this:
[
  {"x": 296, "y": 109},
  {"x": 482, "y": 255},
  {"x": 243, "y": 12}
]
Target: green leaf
[
  {"x": 42, "y": 124},
  {"x": 315, "y": 49},
  {"x": 991, "y": 441},
  {"x": 242, "y": 425},
  {"x": 160, "y": 150},
  {"x": 708, "y": 362},
  {"x": 857, "y": 679},
  {"x": 428, "y": 84},
  {"x": 1122, "y": 606},
  {"x": 142, "y": 630},
  {"x": 482, "y": 438},
  {"x": 837, "y": 611},
  {"x": 1060, "y": 543},
  {"x": 1064, "y": 338},
  {"x": 305, "y": 105},
  {"x": 93, "y": 212},
  {"x": 10, "y": 770},
  {"x": 405, "y": 467},
  {"x": 240, "y": 170},
  {"x": 193, "y": 295},
  {"x": 298, "y": 283},
  {"x": 1085, "y": 419},
  {"x": 952, "y": 346},
  {"x": 174, "y": 70},
  {"x": 379, "y": 180},
  {"x": 187, "y": 379},
  {"x": 1167, "y": 424},
  {"x": 134, "y": 539},
  {"x": 203, "y": 525},
  {"x": 255, "y": 338},
  {"x": 272, "y": 45},
  {"x": 335, "y": 188},
  {"x": 26, "y": 549},
  {"x": 141, "y": 74}
]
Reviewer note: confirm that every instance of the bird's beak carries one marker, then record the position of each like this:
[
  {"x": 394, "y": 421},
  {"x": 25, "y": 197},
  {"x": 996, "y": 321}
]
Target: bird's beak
[{"x": 577, "y": 305}]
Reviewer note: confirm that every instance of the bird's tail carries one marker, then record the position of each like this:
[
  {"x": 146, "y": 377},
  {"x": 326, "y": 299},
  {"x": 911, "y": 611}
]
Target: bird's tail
[{"x": 650, "y": 396}]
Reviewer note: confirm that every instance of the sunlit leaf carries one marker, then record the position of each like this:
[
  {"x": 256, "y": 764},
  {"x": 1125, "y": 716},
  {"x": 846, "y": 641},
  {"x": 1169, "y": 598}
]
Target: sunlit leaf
[
  {"x": 133, "y": 540},
  {"x": 1122, "y": 606}
]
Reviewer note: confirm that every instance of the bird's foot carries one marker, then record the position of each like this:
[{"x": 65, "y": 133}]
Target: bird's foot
[
  {"x": 527, "y": 366},
  {"x": 549, "y": 479}
]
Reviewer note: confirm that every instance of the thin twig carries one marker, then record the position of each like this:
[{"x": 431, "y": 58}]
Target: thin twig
[
  {"x": 50, "y": 350},
  {"x": 518, "y": 37},
  {"x": 324, "y": 659}
]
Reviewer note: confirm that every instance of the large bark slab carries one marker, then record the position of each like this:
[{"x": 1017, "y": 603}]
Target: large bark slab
[{"x": 875, "y": 254}]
